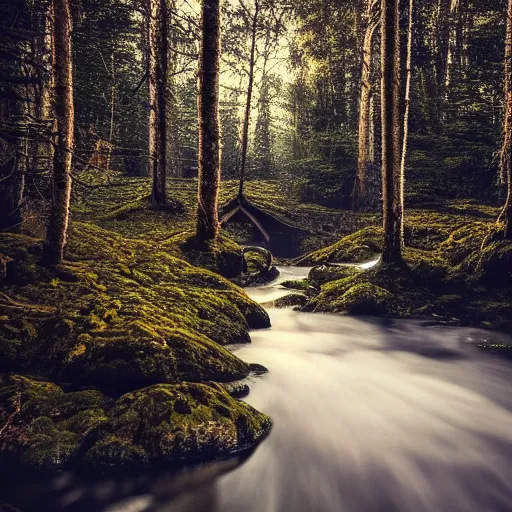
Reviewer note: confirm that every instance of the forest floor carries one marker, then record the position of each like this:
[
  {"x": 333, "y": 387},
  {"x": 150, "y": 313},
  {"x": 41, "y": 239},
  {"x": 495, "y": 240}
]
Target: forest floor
[
  {"x": 119, "y": 358},
  {"x": 456, "y": 268}
]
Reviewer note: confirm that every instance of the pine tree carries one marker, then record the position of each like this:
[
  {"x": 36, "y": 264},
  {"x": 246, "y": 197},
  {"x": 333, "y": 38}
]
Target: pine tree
[
  {"x": 158, "y": 58},
  {"x": 209, "y": 122},
  {"x": 56, "y": 235},
  {"x": 392, "y": 177},
  {"x": 506, "y": 150}
]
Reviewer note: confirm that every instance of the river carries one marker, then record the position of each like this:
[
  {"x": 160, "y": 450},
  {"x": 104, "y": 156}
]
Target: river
[{"x": 369, "y": 416}]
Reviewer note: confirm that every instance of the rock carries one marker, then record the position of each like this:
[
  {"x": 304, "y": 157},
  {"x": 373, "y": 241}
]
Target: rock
[
  {"x": 47, "y": 428},
  {"x": 258, "y": 369},
  {"x": 325, "y": 273},
  {"x": 294, "y": 299},
  {"x": 237, "y": 390}
]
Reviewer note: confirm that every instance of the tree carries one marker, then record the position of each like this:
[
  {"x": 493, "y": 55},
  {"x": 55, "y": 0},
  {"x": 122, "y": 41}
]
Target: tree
[
  {"x": 407, "y": 94},
  {"x": 506, "y": 150},
  {"x": 24, "y": 87},
  {"x": 56, "y": 235},
  {"x": 247, "y": 115},
  {"x": 209, "y": 158},
  {"x": 359, "y": 192},
  {"x": 157, "y": 75},
  {"x": 392, "y": 177}
]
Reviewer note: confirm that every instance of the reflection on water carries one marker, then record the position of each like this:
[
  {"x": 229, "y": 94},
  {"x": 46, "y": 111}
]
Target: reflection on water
[{"x": 368, "y": 416}]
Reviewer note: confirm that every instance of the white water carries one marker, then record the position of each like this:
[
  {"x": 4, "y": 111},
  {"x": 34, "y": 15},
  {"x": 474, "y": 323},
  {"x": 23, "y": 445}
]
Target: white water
[
  {"x": 369, "y": 416},
  {"x": 272, "y": 291}
]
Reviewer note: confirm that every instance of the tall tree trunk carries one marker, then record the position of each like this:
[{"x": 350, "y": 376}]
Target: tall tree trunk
[
  {"x": 392, "y": 178},
  {"x": 247, "y": 116},
  {"x": 56, "y": 235},
  {"x": 158, "y": 50},
  {"x": 112, "y": 111},
  {"x": 408, "y": 75},
  {"x": 506, "y": 150},
  {"x": 209, "y": 122},
  {"x": 452, "y": 49},
  {"x": 359, "y": 192}
]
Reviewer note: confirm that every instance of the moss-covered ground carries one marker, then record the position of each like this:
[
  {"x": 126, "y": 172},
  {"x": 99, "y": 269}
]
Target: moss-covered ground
[
  {"x": 124, "y": 208},
  {"x": 109, "y": 360},
  {"x": 122, "y": 315},
  {"x": 456, "y": 271}
]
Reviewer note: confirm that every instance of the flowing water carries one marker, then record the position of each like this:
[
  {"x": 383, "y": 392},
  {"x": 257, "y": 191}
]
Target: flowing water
[{"x": 369, "y": 415}]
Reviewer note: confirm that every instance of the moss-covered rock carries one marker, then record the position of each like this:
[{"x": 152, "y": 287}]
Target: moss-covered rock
[
  {"x": 322, "y": 274},
  {"x": 363, "y": 298},
  {"x": 385, "y": 289},
  {"x": 222, "y": 256},
  {"x": 166, "y": 423},
  {"x": 466, "y": 277},
  {"x": 133, "y": 316},
  {"x": 47, "y": 428},
  {"x": 361, "y": 246},
  {"x": 301, "y": 285},
  {"x": 294, "y": 299}
]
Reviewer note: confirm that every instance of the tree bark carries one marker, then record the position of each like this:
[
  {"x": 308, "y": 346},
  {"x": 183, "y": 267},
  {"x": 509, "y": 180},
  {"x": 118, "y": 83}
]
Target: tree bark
[
  {"x": 56, "y": 235},
  {"x": 408, "y": 79},
  {"x": 209, "y": 122},
  {"x": 157, "y": 78},
  {"x": 506, "y": 150},
  {"x": 247, "y": 115},
  {"x": 359, "y": 192},
  {"x": 112, "y": 111},
  {"x": 452, "y": 42},
  {"x": 392, "y": 178}
]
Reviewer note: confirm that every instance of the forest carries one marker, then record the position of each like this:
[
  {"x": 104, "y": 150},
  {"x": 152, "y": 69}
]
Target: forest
[{"x": 255, "y": 255}]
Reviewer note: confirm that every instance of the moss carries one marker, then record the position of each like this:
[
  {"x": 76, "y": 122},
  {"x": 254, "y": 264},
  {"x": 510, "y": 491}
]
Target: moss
[
  {"x": 115, "y": 452},
  {"x": 302, "y": 284},
  {"x": 51, "y": 451},
  {"x": 322, "y": 274},
  {"x": 162, "y": 423},
  {"x": 133, "y": 313},
  {"x": 357, "y": 298},
  {"x": 222, "y": 255},
  {"x": 361, "y": 246},
  {"x": 186, "y": 420},
  {"x": 294, "y": 299},
  {"x": 256, "y": 262},
  {"x": 463, "y": 242}
]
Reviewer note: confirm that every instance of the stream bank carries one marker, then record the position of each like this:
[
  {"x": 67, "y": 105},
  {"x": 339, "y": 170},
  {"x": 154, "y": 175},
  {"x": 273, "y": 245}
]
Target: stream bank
[{"x": 369, "y": 414}]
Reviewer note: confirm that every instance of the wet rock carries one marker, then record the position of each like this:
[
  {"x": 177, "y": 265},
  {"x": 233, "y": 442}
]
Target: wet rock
[
  {"x": 294, "y": 299},
  {"x": 47, "y": 428},
  {"x": 258, "y": 369},
  {"x": 238, "y": 390}
]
